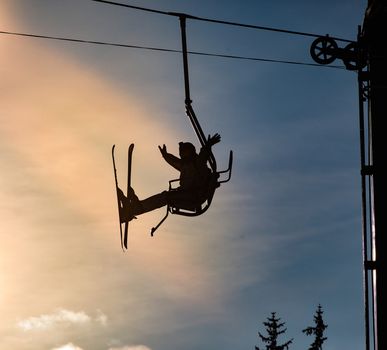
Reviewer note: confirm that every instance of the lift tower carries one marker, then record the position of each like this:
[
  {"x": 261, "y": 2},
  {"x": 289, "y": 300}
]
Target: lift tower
[
  {"x": 368, "y": 56},
  {"x": 374, "y": 36}
]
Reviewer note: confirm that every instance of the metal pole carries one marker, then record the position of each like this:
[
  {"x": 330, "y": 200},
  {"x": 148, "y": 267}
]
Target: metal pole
[
  {"x": 364, "y": 211},
  {"x": 188, "y": 102},
  {"x": 182, "y": 19},
  {"x": 375, "y": 26}
]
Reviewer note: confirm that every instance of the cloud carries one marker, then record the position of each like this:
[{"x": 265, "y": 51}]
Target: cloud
[
  {"x": 60, "y": 317},
  {"x": 101, "y": 318},
  {"x": 131, "y": 347},
  {"x": 69, "y": 346}
]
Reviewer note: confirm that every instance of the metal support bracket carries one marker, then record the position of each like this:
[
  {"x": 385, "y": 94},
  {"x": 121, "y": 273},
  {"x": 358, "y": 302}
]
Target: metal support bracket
[
  {"x": 370, "y": 265},
  {"x": 368, "y": 170}
]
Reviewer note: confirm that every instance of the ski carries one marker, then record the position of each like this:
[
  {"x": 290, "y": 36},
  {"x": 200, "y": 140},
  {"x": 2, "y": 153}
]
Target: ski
[
  {"x": 128, "y": 188},
  {"x": 123, "y": 233},
  {"x": 118, "y": 197}
]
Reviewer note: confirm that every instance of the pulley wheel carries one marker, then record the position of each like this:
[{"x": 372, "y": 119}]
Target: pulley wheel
[
  {"x": 351, "y": 57},
  {"x": 323, "y": 50}
]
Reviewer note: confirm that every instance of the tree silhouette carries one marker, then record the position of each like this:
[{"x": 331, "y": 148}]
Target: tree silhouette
[
  {"x": 273, "y": 328},
  {"x": 318, "y": 331}
]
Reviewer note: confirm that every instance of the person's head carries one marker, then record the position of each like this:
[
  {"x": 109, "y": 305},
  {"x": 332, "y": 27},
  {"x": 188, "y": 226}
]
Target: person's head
[{"x": 186, "y": 150}]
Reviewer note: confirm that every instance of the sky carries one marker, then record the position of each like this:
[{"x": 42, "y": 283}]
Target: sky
[{"x": 284, "y": 235}]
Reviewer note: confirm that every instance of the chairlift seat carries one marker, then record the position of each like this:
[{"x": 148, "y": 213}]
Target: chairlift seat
[{"x": 202, "y": 206}]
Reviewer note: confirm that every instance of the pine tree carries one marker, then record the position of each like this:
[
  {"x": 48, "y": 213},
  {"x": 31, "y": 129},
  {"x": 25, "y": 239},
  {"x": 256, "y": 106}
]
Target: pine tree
[
  {"x": 318, "y": 331},
  {"x": 273, "y": 328}
]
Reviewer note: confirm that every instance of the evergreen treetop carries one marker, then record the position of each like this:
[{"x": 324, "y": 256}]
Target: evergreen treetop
[
  {"x": 274, "y": 328},
  {"x": 317, "y": 331}
]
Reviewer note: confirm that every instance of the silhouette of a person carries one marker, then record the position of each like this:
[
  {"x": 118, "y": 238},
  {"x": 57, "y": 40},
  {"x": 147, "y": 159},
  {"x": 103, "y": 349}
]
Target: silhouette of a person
[{"x": 194, "y": 179}]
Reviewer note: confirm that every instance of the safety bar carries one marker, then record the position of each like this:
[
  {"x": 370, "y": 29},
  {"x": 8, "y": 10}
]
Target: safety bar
[{"x": 228, "y": 170}]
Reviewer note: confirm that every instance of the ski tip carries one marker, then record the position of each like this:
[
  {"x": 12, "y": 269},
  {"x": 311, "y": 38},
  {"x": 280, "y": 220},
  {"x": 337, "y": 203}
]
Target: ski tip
[{"x": 114, "y": 146}]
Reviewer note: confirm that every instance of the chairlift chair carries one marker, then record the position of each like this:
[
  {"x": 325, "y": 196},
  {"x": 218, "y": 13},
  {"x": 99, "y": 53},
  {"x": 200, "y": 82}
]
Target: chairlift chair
[{"x": 216, "y": 176}]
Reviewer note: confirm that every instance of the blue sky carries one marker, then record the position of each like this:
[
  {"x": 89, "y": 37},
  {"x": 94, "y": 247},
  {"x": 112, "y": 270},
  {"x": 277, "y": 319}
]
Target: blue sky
[{"x": 284, "y": 235}]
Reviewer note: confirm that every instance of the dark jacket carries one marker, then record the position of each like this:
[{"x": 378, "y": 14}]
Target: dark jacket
[{"x": 194, "y": 172}]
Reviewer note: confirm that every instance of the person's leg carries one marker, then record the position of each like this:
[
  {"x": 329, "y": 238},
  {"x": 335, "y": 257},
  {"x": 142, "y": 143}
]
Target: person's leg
[
  {"x": 152, "y": 203},
  {"x": 179, "y": 198},
  {"x": 132, "y": 206}
]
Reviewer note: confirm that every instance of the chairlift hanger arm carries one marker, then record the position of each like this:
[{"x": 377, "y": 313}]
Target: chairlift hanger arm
[
  {"x": 188, "y": 102},
  {"x": 182, "y": 19}
]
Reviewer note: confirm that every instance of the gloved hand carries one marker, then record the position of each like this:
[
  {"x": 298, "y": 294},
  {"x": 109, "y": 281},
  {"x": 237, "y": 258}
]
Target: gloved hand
[
  {"x": 212, "y": 140},
  {"x": 163, "y": 150}
]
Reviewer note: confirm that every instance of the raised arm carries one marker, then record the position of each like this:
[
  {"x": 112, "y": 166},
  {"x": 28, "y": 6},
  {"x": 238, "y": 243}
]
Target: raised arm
[
  {"x": 170, "y": 158},
  {"x": 206, "y": 149},
  {"x": 212, "y": 140}
]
